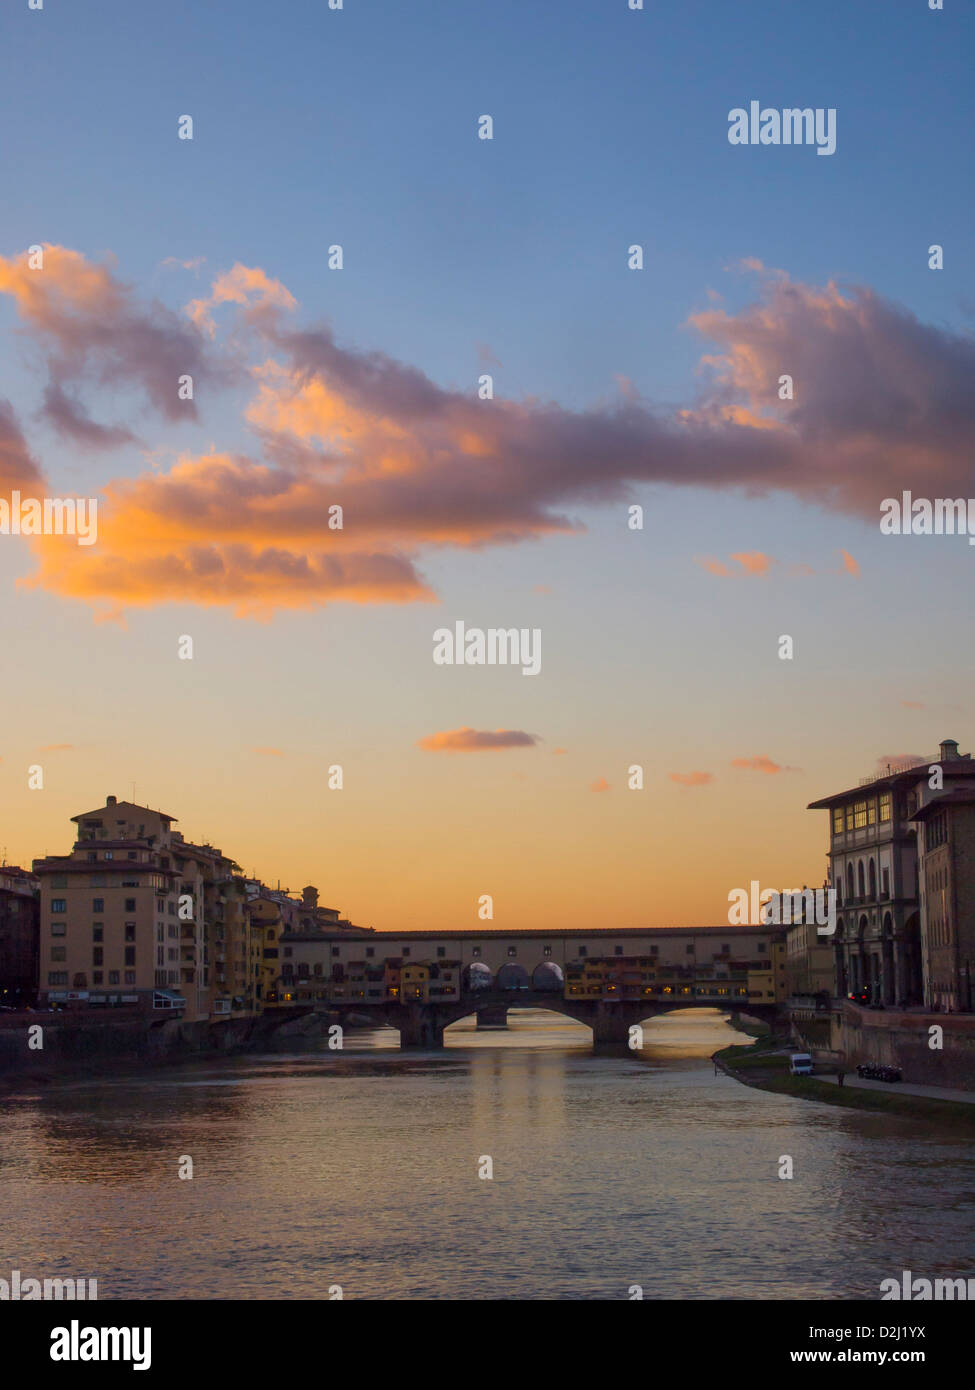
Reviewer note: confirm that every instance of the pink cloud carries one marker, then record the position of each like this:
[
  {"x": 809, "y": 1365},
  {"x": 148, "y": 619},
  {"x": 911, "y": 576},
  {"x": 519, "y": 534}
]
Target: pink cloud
[
  {"x": 762, "y": 763},
  {"x": 467, "y": 740},
  {"x": 692, "y": 779},
  {"x": 600, "y": 785}
]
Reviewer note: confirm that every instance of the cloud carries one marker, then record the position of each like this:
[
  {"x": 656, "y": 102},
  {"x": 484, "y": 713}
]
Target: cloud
[
  {"x": 849, "y": 564},
  {"x": 600, "y": 785},
  {"x": 17, "y": 467},
  {"x": 175, "y": 263},
  {"x": 92, "y": 331},
  {"x": 266, "y": 752},
  {"x": 57, "y": 748},
  {"x": 898, "y": 761},
  {"x": 912, "y": 704},
  {"x": 240, "y": 285},
  {"x": 882, "y": 401},
  {"x": 559, "y": 752},
  {"x": 70, "y": 419},
  {"x": 751, "y": 562},
  {"x": 692, "y": 779},
  {"x": 762, "y": 763},
  {"x": 467, "y": 740}
]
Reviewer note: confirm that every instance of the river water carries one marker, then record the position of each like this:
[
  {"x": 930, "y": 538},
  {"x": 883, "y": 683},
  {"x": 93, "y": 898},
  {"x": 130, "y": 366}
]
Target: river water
[{"x": 361, "y": 1169}]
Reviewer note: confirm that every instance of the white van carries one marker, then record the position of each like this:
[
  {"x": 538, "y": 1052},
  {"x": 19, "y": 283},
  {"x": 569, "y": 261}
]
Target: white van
[{"x": 800, "y": 1064}]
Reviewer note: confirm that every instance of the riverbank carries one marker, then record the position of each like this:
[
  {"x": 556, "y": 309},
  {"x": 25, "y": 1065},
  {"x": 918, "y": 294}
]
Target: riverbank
[{"x": 765, "y": 1065}]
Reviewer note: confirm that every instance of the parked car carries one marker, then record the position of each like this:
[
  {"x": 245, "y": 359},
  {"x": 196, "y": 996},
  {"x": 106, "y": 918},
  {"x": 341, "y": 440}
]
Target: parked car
[{"x": 800, "y": 1064}]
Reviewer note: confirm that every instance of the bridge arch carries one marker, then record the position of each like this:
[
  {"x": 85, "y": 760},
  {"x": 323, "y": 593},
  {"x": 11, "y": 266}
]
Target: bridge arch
[{"x": 548, "y": 977}]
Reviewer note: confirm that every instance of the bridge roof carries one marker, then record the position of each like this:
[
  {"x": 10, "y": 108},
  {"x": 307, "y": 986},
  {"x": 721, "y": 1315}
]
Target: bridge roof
[{"x": 575, "y": 933}]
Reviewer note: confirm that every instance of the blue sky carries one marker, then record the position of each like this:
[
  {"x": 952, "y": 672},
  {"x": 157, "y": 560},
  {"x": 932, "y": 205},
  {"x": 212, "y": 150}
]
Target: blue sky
[{"x": 358, "y": 127}]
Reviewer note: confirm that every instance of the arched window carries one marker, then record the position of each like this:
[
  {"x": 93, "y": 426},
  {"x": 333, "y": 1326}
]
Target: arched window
[
  {"x": 861, "y": 890},
  {"x": 850, "y": 891},
  {"x": 873, "y": 880}
]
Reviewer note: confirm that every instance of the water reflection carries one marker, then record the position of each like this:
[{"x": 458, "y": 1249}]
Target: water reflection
[{"x": 360, "y": 1168}]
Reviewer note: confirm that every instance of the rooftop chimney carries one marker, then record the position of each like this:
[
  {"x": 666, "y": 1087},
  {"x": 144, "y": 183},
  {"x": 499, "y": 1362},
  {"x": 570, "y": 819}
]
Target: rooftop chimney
[
  {"x": 949, "y": 750},
  {"x": 110, "y": 800}
]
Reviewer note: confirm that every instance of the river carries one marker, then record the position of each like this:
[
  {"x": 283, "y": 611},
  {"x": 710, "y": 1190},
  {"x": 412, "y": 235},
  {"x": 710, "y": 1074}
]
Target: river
[{"x": 360, "y": 1169}]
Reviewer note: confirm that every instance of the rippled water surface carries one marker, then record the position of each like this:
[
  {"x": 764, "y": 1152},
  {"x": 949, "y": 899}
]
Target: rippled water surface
[{"x": 360, "y": 1169}]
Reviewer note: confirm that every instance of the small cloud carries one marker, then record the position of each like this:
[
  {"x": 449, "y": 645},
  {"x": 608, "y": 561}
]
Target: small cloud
[
  {"x": 57, "y": 748},
  {"x": 542, "y": 589},
  {"x": 600, "y": 785},
  {"x": 486, "y": 357},
  {"x": 751, "y": 562},
  {"x": 467, "y": 740},
  {"x": 692, "y": 779},
  {"x": 754, "y": 562},
  {"x": 176, "y": 264},
  {"x": 912, "y": 704},
  {"x": 762, "y": 763},
  {"x": 558, "y": 752},
  {"x": 849, "y": 564},
  {"x": 268, "y": 752}
]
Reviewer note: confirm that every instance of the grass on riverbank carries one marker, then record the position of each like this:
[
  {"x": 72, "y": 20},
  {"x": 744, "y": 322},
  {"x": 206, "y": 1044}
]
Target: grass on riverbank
[{"x": 769, "y": 1072}]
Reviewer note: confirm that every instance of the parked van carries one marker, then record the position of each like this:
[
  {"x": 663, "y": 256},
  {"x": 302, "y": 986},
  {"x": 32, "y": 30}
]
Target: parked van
[{"x": 800, "y": 1064}]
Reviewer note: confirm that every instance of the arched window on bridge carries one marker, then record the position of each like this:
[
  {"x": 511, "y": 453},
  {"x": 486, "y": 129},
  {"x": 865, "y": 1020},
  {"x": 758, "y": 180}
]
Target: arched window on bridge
[
  {"x": 512, "y": 976},
  {"x": 548, "y": 976},
  {"x": 477, "y": 976}
]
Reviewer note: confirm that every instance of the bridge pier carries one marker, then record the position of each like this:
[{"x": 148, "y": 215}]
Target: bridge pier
[
  {"x": 494, "y": 1016},
  {"x": 611, "y": 1030},
  {"x": 419, "y": 1028}
]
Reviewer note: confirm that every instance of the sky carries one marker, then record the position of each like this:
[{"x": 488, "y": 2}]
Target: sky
[{"x": 358, "y": 386}]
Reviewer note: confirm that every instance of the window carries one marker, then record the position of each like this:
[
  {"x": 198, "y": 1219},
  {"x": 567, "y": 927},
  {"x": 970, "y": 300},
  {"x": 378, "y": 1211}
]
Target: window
[
  {"x": 173, "y": 930},
  {"x": 849, "y": 817},
  {"x": 130, "y": 904},
  {"x": 886, "y": 879},
  {"x": 406, "y": 950},
  {"x": 98, "y": 881},
  {"x": 97, "y": 955},
  {"x": 132, "y": 854},
  {"x": 837, "y": 820},
  {"x": 130, "y": 883},
  {"x": 57, "y": 928},
  {"x": 655, "y": 950},
  {"x": 92, "y": 857},
  {"x": 130, "y": 977},
  {"x": 57, "y": 977},
  {"x": 441, "y": 950},
  {"x": 335, "y": 951},
  {"x": 512, "y": 950},
  {"x": 130, "y": 955},
  {"x": 689, "y": 950},
  {"x": 475, "y": 951},
  {"x": 59, "y": 881},
  {"x": 859, "y": 814},
  {"x": 885, "y": 799},
  {"x": 546, "y": 950},
  {"x": 59, "y": 905},
  {"x": 98, "y": 905},
  {"x": 59, "y": 953},
  {"x": 96, "y": 977},
  {"x": 109, "y": 854},
  {"x": 871, "y": 812},
  {"x": 113, "y": 977},
  {"x": 618, "y": 950},
  {"x": 97, "y": 932}
]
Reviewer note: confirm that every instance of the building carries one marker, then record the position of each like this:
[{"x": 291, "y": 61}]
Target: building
[
  {"x": 809, "y": 966},
  {"x": 904, "y": 928},
  {"x": 19, "y": 937},
  {"x": 135, "y": 914}
]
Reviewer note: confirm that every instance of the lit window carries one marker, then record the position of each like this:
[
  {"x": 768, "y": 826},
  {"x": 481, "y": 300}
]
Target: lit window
[
  {"x": 871, "y": 813},
  {"x": 859, "y": 814},
  {"x": 837, "y": 820},
  {"x": 885, "y": 806}
]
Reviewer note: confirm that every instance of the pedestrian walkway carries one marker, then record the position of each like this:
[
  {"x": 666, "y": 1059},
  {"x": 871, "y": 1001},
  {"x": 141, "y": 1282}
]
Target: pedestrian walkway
[{"x": 901, "y": 1088}]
